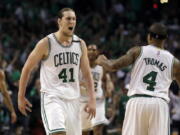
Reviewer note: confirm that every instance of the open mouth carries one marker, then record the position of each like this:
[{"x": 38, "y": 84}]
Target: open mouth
[{"x": 70, "y": 28}]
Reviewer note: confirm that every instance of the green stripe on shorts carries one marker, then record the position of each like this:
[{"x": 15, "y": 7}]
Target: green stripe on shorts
[{"x": 46, "y": 121}]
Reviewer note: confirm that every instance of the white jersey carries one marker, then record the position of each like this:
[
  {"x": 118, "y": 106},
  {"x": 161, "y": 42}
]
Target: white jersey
[
  {"x": 152, "y": 73},
  {"x": 59, "y": 73},
  {"x": 97, "y": 73}
]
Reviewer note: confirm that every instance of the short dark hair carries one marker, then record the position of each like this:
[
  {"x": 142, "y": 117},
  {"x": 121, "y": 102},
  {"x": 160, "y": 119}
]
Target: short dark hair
[
  {"x": 158, "y": 31},
  {"x": 60, "y": 13}
]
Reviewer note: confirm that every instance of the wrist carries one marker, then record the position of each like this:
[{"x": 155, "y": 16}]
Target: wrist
[
  {"x": 92, "y": 97},
  {"x": 21, "y": 95}
]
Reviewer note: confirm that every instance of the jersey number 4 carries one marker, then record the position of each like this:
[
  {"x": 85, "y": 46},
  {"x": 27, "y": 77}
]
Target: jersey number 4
[
  {"x": 63, "y": 75},
  {"x": 150, "y": 79}
]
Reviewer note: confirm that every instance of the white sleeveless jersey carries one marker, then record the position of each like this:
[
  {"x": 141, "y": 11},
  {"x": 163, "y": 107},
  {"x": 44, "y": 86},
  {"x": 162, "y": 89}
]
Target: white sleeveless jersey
[
  {"x": 152, "y": 73},
  {"x": 59, "y": 73},
  {"x": 97, "y": 73}
]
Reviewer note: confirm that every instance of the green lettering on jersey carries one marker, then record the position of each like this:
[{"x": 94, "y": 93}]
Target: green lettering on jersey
[
  {"x": 71, "y": 70},
  {"x": 150, "y": 79},
  {"x": 95, "y": 86},
  {"x": 63, "y": 75}
]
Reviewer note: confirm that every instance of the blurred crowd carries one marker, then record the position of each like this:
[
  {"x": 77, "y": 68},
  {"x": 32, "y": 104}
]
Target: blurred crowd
[{"x": 113, "y": 25}]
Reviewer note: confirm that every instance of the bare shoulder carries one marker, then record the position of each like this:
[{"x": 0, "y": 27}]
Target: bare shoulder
[
  {"x": 43, "y": 43},
  {"x": 134, "y": 52},
  {"x": 42, "y": 47},
  {"x": 83, "y": 45}
]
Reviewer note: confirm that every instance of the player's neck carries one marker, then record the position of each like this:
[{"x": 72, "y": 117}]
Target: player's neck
[
  {"x": 63, "y": 38},
  {"x": 158, "y": 45}
]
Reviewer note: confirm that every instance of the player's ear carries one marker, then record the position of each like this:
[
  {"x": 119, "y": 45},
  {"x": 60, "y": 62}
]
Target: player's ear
[
  {"x": 149, "y": 38},
  {"x": 58, "y": 21},
  {"x": 98, "y": 52}
]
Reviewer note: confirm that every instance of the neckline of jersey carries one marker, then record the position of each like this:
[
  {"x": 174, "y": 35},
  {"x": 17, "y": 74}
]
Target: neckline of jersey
[{"x": 68, "y": 46}]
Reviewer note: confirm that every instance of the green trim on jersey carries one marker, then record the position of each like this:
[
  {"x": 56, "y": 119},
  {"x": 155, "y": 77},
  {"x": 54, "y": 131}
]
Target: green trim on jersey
[
  {"x": 42, "y": 111},
  {"x": 140, "y": 95},
  {"x": 68, "y": 46},
  {"x": 169, "y": 125},
  {"x": 49, "y": 49},
  {"x": 60, "y": 130}
]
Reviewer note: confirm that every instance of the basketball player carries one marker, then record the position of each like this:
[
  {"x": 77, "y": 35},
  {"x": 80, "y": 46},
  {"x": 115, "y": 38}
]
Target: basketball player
[
  {"x": 102, "y": 81},
  {"x": 154, "y": 69},
  {"x": 62, "y": 55},
  {"x": 6, "y": 96}
]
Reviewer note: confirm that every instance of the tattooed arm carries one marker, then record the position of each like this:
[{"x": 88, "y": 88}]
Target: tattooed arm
[{"x": 123, "y": 61}]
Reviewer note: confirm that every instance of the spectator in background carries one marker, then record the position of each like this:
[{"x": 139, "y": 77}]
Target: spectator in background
[{"x": 6, "y": 96}]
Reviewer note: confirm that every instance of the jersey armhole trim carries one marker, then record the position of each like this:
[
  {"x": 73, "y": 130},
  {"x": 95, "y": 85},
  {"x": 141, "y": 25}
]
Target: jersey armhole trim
[
  {"x": 49, "y": 49},
  {"x": 80, "y": 43},
  {"x": 172, "y": 71},
  {"x": 76, "y": 41}
]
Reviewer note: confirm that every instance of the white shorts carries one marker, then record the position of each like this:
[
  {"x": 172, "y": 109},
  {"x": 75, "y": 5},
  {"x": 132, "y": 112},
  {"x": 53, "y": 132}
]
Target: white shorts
[
  {"x": 60, "y": 115},
  {"x": 99, "y": 119},
  {"x": 146, "y": 116}
]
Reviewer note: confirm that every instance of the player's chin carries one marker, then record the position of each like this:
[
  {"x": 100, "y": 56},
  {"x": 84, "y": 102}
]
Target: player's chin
[{"x": 69, "y": 34}]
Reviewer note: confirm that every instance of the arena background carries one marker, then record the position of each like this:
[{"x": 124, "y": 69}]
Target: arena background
[{"x": 113, "y": 25}]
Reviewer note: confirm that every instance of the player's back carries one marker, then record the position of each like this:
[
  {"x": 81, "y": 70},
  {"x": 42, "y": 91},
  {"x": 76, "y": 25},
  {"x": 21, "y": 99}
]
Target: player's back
[{"x": 152, "y": 73}]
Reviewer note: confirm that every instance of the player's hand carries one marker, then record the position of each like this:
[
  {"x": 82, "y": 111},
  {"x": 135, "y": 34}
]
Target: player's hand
[
  {"x": 91, "y": 108},
  {"x": 24, "y": 105},
  {"x": 100, "y": 59},
  {"x": 13, "y": 117}
]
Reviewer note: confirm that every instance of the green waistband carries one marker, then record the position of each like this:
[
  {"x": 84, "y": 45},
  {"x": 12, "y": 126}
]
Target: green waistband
[
  {"x": 143, "y": 95},
  {"x": 140, "y": 95}
]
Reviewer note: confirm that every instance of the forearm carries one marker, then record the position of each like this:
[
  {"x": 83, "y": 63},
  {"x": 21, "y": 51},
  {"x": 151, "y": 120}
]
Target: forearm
[
  {"x": 7, "y": 99},
  {"x": 8, "y": 103},
  {"x": 23, "y": 82},
  {"x": 90, "y": 86},
  {"x": 108, "y": 65},
  {"x": 114, "y": 65}
]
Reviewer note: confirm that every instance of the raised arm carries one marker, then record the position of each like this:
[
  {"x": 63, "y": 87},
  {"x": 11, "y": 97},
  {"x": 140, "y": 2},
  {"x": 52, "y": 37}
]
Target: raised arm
[
  {"x": 176, "y": 71},
  {"x": 7, "y": 98},
  {"x": 123, "y": 61},
  {"x": 40, "y": 52},
  {"x": 85, "y": 68}
]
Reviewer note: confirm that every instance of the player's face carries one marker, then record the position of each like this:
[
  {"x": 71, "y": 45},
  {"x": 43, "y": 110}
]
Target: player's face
[
  {"x": 67, "y": 23},
  {"x": 92, "y": 52}
]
